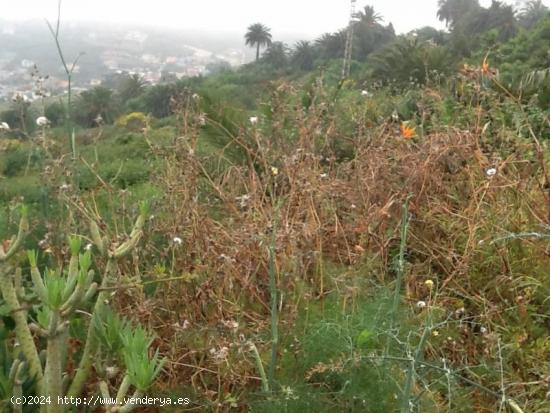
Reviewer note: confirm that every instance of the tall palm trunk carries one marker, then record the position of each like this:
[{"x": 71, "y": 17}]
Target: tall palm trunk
[{"x": 258, "y": 52}]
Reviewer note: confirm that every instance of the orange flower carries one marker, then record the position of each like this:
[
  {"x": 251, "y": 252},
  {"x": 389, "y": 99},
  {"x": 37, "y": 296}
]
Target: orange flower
[
  {"x": 485, "y": 68},
  {"x": 407, "y": 131}
]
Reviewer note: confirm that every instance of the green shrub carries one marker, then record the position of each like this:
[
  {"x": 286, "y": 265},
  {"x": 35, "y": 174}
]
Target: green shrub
[{"x": 16, "y": 159}]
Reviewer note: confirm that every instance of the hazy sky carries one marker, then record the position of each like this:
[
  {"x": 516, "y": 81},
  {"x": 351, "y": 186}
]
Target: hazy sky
[{"x": 308, "y": 17}]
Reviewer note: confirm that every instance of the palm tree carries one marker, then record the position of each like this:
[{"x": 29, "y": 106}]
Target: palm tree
[
  {"x": 257, "y": 36},
  {"x": 531, "y": 13},
  {"x": 303, "y": 55},
  {"x": 450, "y": 11},
  {"x": 369, "y": 16},
  {"x": 332, "y": 45},
  {"x": 276, "y": 55},
  {"x": 96, "y": 101},
  {"x": 131, "y": 87}
]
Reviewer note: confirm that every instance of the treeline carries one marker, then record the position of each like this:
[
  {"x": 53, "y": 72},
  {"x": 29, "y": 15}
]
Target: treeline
[{"x": 515, "y": 41}]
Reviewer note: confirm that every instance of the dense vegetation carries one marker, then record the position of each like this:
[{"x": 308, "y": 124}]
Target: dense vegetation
[{"x": 308, "y": 243}]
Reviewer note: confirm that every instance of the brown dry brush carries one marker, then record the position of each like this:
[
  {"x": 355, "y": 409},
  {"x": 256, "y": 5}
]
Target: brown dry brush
[
  {"x": 331, "y": 186},
  {"x": 346, "y": 211}
]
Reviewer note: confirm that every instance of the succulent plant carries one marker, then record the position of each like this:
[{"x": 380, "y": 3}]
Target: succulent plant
[{"x": 60, "y": 294}]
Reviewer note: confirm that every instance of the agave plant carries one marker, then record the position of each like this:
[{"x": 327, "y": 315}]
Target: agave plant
[{"x": 60, "y": 293}]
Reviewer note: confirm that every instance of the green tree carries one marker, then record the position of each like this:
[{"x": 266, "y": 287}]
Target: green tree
[
  {"x": 258, "y": 36},
  {"x": 430, "y": 34},
  {"x": 531, "y": 13},
  {"x": 451, "y": 11},
  {"x": 131, "y": 87},
  {"x": 331, "y": 45},
  {"x": 303, "y": 55},
  {"x": 20, "y": 116},
  {"x": 409, "y": 60},
  {"x": 56, "y": 113},
  {"x": 369, "y": 16},
  {"x": 370, "y": 36},
  {"x": 276, "y": 55},
  {"x": 95, "y": 102}
]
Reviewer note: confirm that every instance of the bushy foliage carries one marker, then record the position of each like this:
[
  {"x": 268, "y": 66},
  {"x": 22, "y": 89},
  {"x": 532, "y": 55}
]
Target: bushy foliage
[
  {"x": 410, "y": 61},
  {"x": 93, "y": 104},
  {"x": 56, "y": 113}
]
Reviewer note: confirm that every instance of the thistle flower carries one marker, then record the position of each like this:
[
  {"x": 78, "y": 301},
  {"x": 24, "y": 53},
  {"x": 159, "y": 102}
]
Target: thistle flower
[
  {"x": 4, "y": 126},
  {"x": 42, "y": 121},
  {"x": 407, "y": 131}
]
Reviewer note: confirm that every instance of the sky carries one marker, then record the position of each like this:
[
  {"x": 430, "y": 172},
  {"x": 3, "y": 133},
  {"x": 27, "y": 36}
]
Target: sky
[{"x": 307, "y": 17}]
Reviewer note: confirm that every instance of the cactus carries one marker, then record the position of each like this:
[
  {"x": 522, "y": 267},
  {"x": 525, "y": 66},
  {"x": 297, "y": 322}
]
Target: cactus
[{"x": 59, "y": 295}]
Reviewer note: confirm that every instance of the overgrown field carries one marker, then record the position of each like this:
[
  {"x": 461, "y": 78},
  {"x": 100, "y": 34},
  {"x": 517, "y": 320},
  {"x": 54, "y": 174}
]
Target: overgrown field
[
  {"x": 335, "y": 252},
  {"x": 279, "y": 239}
]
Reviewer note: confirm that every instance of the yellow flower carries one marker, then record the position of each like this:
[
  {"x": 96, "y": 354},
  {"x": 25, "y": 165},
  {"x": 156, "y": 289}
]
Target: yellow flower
[
  {"x": 407, "y": 131},
  {"x": 429, "y": 284},
  {"x": 274, "y": 171}
]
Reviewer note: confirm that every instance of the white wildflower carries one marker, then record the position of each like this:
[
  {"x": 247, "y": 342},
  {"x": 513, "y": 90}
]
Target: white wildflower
[
  {"x": 64, "y": 187},
  {"x": 366, "y": 93},
  {"x": 227, "y": 258},
  {"x": 177, "y": 241},
  {"x": 483, "y": 330},
  {"x": 230, "y": 324},
  {"x": 421, "y": 304},
  {"x": 274, "y": 171},
  {"x": 219, "y": 355},
  {"x": 395, "y": 116},
  {"x": 195, "y": 96},
  {"x": 253, "y": 120},
  {"x": 42, "y": 121},
  {"x": 323, "y": 176},
  {"x": 112, "y": 371},
  {"x": 491, "y": 172},
  {"x": 243, "y": 200},
  {"x": 4, "y": 126},
  {"x": 288, "y": 393},
  {"x": 88, "y": 246}
]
